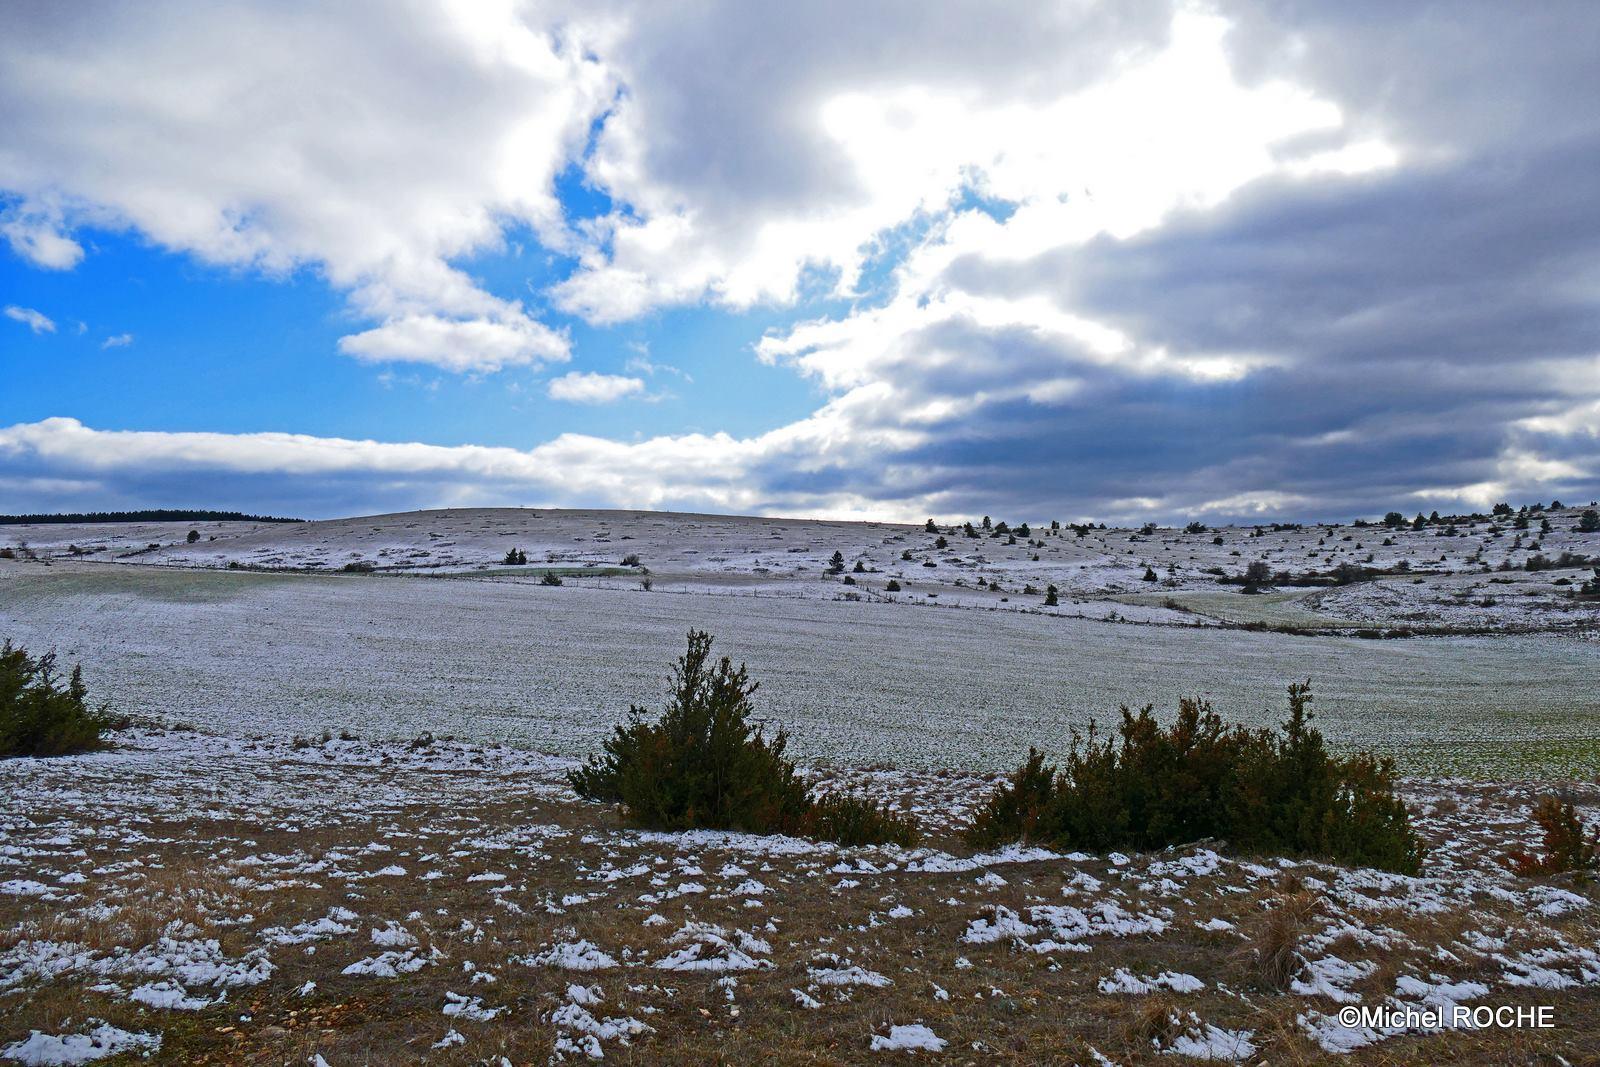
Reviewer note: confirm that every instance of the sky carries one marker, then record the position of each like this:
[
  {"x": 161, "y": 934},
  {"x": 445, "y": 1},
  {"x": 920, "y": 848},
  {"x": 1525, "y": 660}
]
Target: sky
[{"x": 1114, "y": 261}]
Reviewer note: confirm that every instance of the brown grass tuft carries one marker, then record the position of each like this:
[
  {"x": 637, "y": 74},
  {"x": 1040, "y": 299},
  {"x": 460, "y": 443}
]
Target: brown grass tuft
[{"x": 1272, "y": 958}]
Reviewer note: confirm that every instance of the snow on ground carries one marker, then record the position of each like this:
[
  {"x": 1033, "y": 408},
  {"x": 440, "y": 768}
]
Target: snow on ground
[
  {"x": 1457, "y": 576},
  {"x": 242, "y": 883},
  {"x": 855, "y": 683}
]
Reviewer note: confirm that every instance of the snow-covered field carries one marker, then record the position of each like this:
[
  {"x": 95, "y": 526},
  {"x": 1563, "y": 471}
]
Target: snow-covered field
[
  {"x": 857, "y": 682},
  {"x": 261, "y": 889},
  {"x": 1452, "y": 570}
]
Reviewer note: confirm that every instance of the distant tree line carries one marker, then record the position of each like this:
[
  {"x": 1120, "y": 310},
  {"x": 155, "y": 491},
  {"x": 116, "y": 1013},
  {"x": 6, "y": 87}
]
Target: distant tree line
[{"x": 154, "y": 515}]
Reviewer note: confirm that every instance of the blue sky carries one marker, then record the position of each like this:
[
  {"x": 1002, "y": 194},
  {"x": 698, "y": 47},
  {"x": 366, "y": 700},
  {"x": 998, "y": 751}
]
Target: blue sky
[
  {"x": 227, "y": 350},
  {"x": 1128, "y": 261}
]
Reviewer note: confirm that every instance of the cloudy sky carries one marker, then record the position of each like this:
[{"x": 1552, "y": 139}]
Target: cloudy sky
[{"x": 1122, "y": 261}]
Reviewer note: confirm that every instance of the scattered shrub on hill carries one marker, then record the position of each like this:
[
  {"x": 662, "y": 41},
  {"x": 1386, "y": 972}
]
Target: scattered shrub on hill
[
  {"x": 1589, "y": 521},
  {"x": 39, "y": 716},
  {"x": 1261, "y": 790},
  {"x": 704, "y": 764},
  {"x": 1566, "y": 846},
  {"x": 550, "y": 578},
  {"x": 631, "y": 559},
  {"x": 892, "y": 587},
  {"x": 515, "y": 557}
]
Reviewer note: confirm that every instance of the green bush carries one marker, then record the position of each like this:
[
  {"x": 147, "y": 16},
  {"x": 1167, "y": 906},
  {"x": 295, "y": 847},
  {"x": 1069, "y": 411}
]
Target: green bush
[
  {"x": 703, "y": 764},
  {"x": 39, "y": 716},
  {"x": 850, "y": 819},
  {"x": 1261, "y": 790}
]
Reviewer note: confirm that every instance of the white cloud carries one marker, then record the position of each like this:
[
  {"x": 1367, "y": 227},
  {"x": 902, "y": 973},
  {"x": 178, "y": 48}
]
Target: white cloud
[
  {"x": 585, "y": 388},
  {"x": 641, "y": 363},
  {"x": 36, "y": 236},
  {"x": 1583, "y": 420},
  {"x": 121, "y": 340},
  {"x": 459, "y": 344},
  {"x": 375, "y": 144},
  {"x": 37, "y": 321},
  {"x": 713, "y": 472},
  {"x": 1518, "y": 470},
  {"x": 1163, "y": 128}
]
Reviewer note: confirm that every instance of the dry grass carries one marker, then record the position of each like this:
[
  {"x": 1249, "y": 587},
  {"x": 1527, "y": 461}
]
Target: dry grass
[
  {"x": 1011, "y": 1005},
  {"x": 1272, "y": 959}
]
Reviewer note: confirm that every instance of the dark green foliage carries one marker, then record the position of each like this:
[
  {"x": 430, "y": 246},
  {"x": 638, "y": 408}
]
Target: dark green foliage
[
  {"x": 1589, "y": 521},
  {"x": 159, "y": 515},
  {"x": 704, "y": 764},
  {"x": 1262, "y": 790},
  {"x": 892, "y": 587},
  {"x": 1051, "y": 598},
  {"x": 515, "y": 557},
  {"x": 550, "y": 578},
  {"x": 1592, "y": 586},
  {"x": 836, "y": 562},
  {"x": 194, "y": 535},
  {"x": 850, "y": 819},
  {"x": 1566, "y": 846},
  {"x": 39, "y": 716}
]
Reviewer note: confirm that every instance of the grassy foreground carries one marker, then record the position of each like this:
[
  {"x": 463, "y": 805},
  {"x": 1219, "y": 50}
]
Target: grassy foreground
[{"x": 250, "y": 902}]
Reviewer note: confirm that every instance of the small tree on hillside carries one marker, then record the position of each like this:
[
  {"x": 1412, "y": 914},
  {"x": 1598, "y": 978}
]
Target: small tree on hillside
[
  {"x": 41, "y": 716},
  {"x": 705, "y": 763}
]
